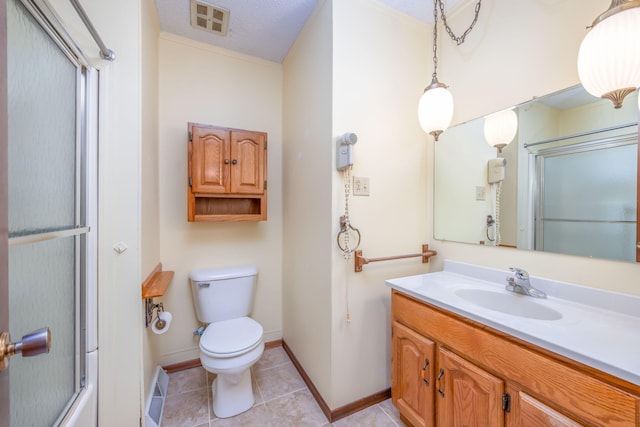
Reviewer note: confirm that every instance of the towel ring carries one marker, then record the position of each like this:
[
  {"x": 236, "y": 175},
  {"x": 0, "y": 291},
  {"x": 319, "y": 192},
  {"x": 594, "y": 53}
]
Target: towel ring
[{"x": 345, "y": 230}]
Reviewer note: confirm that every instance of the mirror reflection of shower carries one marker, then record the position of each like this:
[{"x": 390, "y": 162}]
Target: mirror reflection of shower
[{"x": 463, "y": 197}]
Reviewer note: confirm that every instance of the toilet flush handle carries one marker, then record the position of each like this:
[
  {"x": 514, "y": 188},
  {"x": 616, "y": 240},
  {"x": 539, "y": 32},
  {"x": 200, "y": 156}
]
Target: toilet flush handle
[{"x": 204, "y": 285}]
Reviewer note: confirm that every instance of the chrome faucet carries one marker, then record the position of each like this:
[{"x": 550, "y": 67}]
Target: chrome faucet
[{"x": 520, "y": 284}]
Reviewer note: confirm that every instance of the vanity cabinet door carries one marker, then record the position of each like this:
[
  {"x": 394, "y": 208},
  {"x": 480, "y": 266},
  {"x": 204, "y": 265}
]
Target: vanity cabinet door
[
  {"x": 527, "y": 411},
  {"x": 412, "y": 388},
  {"x": 467, "y": 395}
]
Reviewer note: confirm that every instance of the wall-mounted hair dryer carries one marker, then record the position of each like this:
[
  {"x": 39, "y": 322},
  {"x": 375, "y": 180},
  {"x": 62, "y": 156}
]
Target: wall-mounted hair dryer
[{"x": 344, "y": 150}]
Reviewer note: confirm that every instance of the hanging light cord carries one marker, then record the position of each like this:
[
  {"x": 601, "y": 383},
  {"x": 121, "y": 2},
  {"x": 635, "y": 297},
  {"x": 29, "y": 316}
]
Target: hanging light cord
[
  {"x": 435, "y": 40},
  {"x": 458, "y": 40}
]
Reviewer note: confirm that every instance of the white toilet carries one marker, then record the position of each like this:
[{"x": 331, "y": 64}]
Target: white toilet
[{"x": 232, "y": 341}]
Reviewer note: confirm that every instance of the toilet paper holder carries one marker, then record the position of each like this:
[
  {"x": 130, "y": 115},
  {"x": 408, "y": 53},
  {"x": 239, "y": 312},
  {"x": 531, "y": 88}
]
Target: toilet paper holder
[
  {"x": 150, "y": 306},
  {"x": 155, "y": 285}
]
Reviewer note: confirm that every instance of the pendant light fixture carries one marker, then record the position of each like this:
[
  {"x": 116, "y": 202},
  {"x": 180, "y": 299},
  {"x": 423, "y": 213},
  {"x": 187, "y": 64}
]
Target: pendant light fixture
[
  {"x": 435, "y": 109},
  {"x": 609, "y": 56}
]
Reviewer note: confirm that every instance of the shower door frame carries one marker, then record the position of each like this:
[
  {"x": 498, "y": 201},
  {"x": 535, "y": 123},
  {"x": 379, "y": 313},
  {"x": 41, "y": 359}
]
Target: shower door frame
[{"x": 537, "y": 164}]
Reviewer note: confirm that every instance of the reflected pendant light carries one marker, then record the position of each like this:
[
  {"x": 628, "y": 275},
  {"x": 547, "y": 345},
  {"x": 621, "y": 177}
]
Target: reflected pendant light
[
  {"x": 500, "y": 128},
  {"x": 609, "y": 56},
  {"x": 435, "y": 109}
]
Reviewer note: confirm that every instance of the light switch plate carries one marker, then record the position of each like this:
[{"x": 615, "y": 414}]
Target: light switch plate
[
  {"x": 360, "y": 186},
  {"x": 480, "y": 193}
]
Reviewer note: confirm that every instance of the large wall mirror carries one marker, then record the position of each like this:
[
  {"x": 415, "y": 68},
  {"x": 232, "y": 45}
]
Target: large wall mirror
[{"x": 566, "y": 183}]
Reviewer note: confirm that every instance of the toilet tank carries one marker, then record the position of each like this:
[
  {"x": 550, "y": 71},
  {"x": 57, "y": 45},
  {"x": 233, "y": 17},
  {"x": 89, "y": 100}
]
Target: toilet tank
[{"x": 223, "y": 293}]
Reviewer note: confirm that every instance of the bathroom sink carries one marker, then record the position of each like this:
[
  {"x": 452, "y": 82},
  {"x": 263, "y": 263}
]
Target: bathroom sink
[{"x": 512, "y": 304}]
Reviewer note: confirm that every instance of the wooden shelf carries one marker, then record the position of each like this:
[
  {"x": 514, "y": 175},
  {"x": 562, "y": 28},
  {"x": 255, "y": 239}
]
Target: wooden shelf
[{"x": 156, "y": 283}]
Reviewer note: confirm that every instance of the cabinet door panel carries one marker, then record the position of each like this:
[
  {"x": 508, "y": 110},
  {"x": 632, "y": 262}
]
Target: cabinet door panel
[
  {"x": 247, "y": 162},
  {"x": 209, "y": 171},
  {"x": 413, "y": 361},
  {"x": 527, "y": 411},
  {"x": 467, "y": 395}
]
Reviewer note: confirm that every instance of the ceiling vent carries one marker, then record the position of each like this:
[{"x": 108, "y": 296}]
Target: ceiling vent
[{"x": 208, "y": 17}]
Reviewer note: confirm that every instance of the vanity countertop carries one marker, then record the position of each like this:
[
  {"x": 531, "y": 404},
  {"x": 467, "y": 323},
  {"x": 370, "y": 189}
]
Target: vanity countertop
[{"x": 598, "y": 328}]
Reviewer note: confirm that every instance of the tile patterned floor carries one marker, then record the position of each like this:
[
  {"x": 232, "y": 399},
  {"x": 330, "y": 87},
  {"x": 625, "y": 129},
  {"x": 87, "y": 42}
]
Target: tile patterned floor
[{"x": 282, "y": 399}]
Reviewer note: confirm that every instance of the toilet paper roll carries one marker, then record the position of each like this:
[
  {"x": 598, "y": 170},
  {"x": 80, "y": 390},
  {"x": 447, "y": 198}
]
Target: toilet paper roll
[{"x": 166, "y": 317}]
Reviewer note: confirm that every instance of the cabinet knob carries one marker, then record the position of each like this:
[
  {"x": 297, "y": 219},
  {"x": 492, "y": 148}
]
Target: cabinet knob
[
  {"x": 234, "y": 161},
  {"x": 226, "y": 161}
]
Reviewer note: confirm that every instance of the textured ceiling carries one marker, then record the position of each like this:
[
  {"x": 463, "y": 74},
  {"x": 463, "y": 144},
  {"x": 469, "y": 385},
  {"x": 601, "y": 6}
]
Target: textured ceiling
[{"x": 267, "y": 28}]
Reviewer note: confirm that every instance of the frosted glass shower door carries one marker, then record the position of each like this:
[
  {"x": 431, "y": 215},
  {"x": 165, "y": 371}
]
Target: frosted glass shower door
[
  {"x": 588, "y": 203},
  {"x": 47, "y": 262}
]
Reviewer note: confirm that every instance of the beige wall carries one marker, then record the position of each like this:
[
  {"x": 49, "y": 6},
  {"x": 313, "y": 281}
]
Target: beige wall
[
  {"x": 307, "y": 192},
  {"x": 150, "y": 204},
  {"x": 535, "y": 43},
  {"x": 379, "y": 73},
  {"x": 120, "y": 326},
  {"x": 203, "y": 84},
  {"x": 342, "y": 76}
]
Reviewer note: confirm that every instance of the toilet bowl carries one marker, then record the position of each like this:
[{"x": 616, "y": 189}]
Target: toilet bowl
[
  {"x": 229, "y": 349},
  {"x": 232, "y": 341}
]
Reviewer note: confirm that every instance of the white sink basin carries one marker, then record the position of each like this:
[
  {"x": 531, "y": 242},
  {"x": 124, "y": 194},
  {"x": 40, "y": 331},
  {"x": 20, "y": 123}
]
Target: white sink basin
[{"x": 512, "y": 304}]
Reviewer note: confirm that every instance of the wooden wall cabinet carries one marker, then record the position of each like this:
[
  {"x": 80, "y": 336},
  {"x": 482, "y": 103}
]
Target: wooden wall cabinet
[
  {"x": 484, "y": 377},
  {"x": 227, "y": 174}
]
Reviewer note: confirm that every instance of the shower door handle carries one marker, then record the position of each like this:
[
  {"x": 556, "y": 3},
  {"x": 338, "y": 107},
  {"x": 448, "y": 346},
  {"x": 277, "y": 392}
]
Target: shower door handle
[{"x": 33, "y": 344}]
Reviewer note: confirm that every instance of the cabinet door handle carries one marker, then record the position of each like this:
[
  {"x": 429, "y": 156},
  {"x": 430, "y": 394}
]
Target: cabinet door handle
[
  {"x": 439, "y": 378},
  {"x": 424, "y": 368},
  {"x": 234, "y": 161}
]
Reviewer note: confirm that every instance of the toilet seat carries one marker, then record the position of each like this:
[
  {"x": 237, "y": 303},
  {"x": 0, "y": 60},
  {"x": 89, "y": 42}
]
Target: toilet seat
[{"x": 230, "y": 338}]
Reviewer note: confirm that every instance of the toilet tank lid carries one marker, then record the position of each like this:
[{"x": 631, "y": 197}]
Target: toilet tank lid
[{"x": 222, "y": 273}]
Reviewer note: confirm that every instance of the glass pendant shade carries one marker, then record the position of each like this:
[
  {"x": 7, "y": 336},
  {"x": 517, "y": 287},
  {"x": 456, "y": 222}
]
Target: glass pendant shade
[
  {"x": 500, "y": 128},
  {"x": 609, "y": 56},
  {"x": 435, "y": 110}
]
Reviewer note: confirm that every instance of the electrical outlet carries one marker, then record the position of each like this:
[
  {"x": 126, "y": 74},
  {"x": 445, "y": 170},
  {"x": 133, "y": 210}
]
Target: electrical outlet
[
  {"x": 360, "y": 186},
  {"x": 480, "y": 193}
]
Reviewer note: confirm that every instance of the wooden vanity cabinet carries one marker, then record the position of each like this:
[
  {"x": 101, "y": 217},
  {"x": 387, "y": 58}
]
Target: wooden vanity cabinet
[
  {"x": 227, "y": 174},
  {"x": 484, "y": 377}
]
